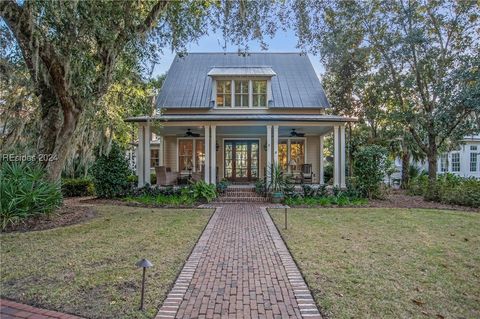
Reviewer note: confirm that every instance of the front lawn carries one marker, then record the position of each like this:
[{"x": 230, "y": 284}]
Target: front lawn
[
  {"x": 388, "y": 263},
  {"x": 89, "y": 269}
]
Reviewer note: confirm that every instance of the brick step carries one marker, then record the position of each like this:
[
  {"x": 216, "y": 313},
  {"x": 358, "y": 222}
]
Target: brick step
[
  {"x": 240, "y": 189},
  {"x": 241, "y": 199},
  {"x": 240, "y": 194}
]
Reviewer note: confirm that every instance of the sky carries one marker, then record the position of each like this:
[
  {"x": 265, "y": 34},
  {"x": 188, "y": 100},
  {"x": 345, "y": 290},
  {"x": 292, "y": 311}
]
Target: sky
[{"x": 283, "y": 41}]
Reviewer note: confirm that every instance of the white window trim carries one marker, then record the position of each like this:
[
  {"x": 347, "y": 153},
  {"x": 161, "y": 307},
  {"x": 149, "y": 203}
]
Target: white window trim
[
  {"x": 194, "y": 166},
  {"x": 459, "y": 162},
  {"x": 250, "y": 93}
]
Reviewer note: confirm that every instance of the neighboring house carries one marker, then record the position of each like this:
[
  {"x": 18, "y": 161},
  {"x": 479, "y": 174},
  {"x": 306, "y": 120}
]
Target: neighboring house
[
  {"x": 464, "y": 161},
  {"x": 229, "y": 115}
]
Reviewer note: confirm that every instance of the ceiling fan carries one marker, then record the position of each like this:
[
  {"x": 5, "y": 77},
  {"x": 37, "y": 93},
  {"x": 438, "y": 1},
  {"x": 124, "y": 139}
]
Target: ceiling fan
[
  {"x": 294, "y": 133},
  {"x": 189, "y": 133}
]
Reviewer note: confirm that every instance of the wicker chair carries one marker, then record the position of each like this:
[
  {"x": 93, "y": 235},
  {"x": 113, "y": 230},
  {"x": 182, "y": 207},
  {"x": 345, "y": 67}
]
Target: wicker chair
[
  {"x": 165, "y": 176},
  {"x": 306, "y": 174}
]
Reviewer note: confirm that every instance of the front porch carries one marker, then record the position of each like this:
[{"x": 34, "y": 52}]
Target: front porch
[{"x": 240, "y": 151}]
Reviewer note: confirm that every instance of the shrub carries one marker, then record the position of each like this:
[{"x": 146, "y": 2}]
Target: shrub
[
  {"x": 111, "y": 173},
  {"x": 202, "y": 191},
  {"x": 72, "y": 187},
  {"x": 260, "y": 186},
  {"x": 222, "y": 186},
  {"x": 448, "y": 188},
  {"x": 25, "y": 193},
  {"x": 369, "y": 170}
]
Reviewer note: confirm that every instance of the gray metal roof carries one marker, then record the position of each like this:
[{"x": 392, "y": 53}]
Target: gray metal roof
[
  {"x": 243, "y": 117},
  {"x": 242, "y": 71},
  {"x": 295, "y": 84}
]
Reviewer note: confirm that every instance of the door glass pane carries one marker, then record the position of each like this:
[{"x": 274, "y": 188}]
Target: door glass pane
[
  {"x": 254, "y": 160},
  {"x": 228, "y": 160},
  {"x": 241, "y": 160}
]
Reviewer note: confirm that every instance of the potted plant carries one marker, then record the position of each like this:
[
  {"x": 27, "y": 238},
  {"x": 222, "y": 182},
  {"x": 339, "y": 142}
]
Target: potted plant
[{"x": 278, "y": 182}]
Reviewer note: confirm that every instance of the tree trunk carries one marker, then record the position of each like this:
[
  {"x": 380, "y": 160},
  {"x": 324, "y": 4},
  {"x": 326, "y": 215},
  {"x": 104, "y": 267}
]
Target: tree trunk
[
  {"x": 61, "y": 147},
  {"x": 405, "y": 167}
]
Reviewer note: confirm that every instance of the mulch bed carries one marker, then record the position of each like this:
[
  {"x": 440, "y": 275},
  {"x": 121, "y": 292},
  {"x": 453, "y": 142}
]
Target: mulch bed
[
  {"x": 399, "y": 199},
  {"x": 104, "y": 201},
  {"x": 69, "y": 214}
]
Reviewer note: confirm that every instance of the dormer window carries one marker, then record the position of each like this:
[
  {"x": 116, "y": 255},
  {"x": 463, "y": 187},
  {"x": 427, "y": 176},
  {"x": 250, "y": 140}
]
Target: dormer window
[
  {"x": 224, "y": 93},
  {"x": 241, "y": 87},
  {"x": 246, "y": 93},
  {"x": 259, "y": 93}
]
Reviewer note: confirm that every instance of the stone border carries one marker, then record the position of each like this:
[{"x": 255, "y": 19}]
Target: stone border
[
  {"x": 175, "y": 297},
  {"x": 306, "y": 304},
  {"x": 12, "y": 309}
]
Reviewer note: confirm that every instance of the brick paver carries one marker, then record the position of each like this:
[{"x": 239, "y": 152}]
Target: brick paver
[
  {"x": 10, "y": 309},
  {"x": 240, "y": 268}
]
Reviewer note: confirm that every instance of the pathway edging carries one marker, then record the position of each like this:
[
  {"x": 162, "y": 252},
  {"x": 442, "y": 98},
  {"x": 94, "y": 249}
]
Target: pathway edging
[
  {"x": 175, "y": 297},
  {"x": 307, "y": 305}
]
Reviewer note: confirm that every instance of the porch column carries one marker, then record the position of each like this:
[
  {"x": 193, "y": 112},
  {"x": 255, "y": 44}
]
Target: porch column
[
  {"x": 213, "y": 156},
  {"x": 275, "y": 145},
  {"x": 146, "y": 165},
  {"x": 161, "y": 151},
  {"x": 140, "y": 152},
  {"x": 206, "y": 172},
  {"x": 343, "y": 183},
  {"x": 143, "y": 154},
  {"x": 321, "y": 175},
  {"x": 269, "y": 153},
  {"x": 336, "y": 155}
]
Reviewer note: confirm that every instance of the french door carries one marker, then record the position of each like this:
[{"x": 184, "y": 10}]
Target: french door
[{"x": 241, "y": 160}]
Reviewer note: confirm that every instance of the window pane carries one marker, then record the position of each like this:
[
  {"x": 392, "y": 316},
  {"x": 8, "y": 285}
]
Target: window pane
[
  {"x": 154, "y": 157},
  {"x": 283, "y": 155},
  {"x": 260, "y": 87},
  {"x": 297, "y": 153},
  {"x": 224, "y": 93},
  {"x": 473, "y": 162},
  {"x": 199, "y": 155},
  {"x": 455, "y": 162},
  {"x": 185, "y": 154}
]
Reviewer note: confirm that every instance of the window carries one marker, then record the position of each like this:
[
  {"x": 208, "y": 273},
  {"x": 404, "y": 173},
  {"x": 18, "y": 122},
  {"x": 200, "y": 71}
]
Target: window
[
  {"x": 241, "y": 93},
  {"x": 473, "y": 147},
  {"x": 224, "y": 93},
  {"x": 186, "y": 150},
  {"x": 199, "y": 155},
  {"x": 259, "y": 93},
  {"x": 443, "y": 163},
  {"x": 283, "y": 154},
  {"x": 473, "y": 162},
  {"x": 455, "y": 162},
  {"x": 154, "y": 157},
  {"x": 185, "y": 155},
  {"x": 291, "y": 151},
  {"x": 297, "y": 154}
]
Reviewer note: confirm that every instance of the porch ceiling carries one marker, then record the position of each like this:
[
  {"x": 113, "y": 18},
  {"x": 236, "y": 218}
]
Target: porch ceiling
[{"x": 283, "y": 131}]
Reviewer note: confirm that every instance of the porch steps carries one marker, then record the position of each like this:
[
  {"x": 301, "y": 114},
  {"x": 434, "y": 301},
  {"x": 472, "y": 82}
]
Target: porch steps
[{"x": 241, "y": 194}]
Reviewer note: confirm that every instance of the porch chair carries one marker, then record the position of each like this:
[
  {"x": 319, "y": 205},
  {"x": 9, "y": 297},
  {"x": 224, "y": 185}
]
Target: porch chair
[
  {"x": 165, "y": 176},
  {"x": 306, "y": 174}
]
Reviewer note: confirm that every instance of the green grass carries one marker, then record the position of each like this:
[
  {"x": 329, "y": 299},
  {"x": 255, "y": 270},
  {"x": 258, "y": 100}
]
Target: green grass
[
  {"x": 167, "y": 200},
  {"x": 89, "y": 269},
  {"x": 324, "y": 201},
  {"x": 388, "y": 263}
]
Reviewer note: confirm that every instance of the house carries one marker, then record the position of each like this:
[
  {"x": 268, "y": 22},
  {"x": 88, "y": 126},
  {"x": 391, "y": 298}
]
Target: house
[
  {"x": 463, "y": 161},
  {"x": 231, "y": 116}
]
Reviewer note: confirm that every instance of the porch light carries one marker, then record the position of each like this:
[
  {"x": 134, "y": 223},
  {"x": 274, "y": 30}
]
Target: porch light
[{"x": 144, "y": 263}]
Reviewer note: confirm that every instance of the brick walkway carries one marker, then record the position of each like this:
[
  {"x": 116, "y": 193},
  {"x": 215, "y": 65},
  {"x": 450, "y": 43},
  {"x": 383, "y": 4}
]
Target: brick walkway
[
  {"x": 10, "y": 310},
  {"x": 240, "y": 268}
]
